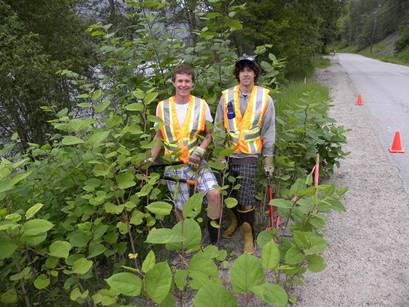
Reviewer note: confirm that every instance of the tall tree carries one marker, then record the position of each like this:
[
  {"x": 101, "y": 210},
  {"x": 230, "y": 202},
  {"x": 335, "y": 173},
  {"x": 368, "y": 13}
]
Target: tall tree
[{"x": 37, "y": 39}]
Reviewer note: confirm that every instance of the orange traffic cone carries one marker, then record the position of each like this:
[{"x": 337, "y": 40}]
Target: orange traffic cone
[
  {"x": 396, "y": 144},
  {"x": 359, "y": 101}
]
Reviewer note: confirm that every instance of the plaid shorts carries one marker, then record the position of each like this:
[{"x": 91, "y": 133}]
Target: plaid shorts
[
  {"x": 245, "y": 169},
  {"x": 181, "y": 191}
]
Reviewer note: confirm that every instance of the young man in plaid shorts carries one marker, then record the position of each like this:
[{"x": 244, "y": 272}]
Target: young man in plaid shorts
[
  {"x": 184, "y": 135},
  {"x": 246, "y": 113}
]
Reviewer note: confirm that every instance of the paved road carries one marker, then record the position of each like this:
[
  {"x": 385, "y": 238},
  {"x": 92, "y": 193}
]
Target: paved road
[
  {"x": 368, "y": 245},
  {"x": 385, "y": 91}
]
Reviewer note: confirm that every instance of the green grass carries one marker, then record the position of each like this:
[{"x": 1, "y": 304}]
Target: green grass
[
  {"x": 302, "y": 93},
  {"x": 320, "y": 62},
  {"x": 401, "y": 58}
]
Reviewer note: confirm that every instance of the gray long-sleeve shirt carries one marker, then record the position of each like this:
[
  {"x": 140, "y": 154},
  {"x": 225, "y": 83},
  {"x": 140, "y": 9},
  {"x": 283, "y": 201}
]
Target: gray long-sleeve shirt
[{"x": 267, "y": 128}]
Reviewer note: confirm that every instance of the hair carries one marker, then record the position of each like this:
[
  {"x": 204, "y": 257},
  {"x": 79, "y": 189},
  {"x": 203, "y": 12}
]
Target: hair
[
  {"x": 183, "y": 69},
  {"x": 249, "y": 64}
]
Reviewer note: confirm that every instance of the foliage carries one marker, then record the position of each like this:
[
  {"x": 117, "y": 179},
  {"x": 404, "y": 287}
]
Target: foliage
[
  {"x": 403, "y": 40},
  {"x": 303, "y": 130},
  {"x": 79, "y": 224},
  {"x": 36, "y": 42},
  {"x": 366, "y": 22},
  {"x": 296, "y": 30}
]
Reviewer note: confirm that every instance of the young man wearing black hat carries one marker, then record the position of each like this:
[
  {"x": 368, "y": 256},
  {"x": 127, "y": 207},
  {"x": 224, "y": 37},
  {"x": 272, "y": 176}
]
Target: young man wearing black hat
[{"x": 246, "y": 113}]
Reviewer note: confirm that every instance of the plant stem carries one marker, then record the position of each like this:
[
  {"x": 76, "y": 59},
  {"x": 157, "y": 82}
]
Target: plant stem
[
  {"x": 131, "y": 239},
  {"x": 23, "y": 288}
]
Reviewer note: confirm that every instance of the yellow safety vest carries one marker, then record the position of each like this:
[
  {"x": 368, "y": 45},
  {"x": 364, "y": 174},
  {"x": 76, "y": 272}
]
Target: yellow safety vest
[
  {"x": 182, "y": 138},
  {"x": 245, "y": 130}
]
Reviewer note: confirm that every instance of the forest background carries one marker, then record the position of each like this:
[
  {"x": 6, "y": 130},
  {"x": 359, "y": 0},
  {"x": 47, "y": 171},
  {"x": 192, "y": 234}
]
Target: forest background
[{"x": 78, "y": 88}]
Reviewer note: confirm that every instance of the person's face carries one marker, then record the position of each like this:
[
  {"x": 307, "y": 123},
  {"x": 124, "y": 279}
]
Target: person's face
[
  {"x": 183, "y": 85},
  {"x": 247, "y": 76}
]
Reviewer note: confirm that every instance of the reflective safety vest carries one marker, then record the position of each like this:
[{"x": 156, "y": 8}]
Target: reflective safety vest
[
  {"x": 245, "y": 130},
  {"x": 182, "y": 138}
]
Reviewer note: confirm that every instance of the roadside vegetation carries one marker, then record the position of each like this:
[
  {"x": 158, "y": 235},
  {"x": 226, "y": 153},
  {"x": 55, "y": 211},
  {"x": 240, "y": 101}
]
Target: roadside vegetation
[
  {"x": 377, "y": 29},
  {"x": 83, "y": 222}
]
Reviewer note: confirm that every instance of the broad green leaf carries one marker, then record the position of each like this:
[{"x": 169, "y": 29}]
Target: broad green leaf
[
  {"x": 33, "y": 210},
  {"x": 162, "y": 236},
  {"x": 36, "y": 227},
  {"x": 235, "y": 25},
  {"x": 113, "y": 209},
  {"x": 294, "y": 256},
  {"x": 265, "y": 236},
  {"x": 19, "y": 177},
  {"x": 5, "y": 186},
  {"x": 101, "y": 107},
  {"x": 214, "y": 295},
  {"x": 270, "y": 256},
  {"x": 135, "y": 107},
  {"x": 160, "y": 208},
  {"x": 60, "y": 249},
  {"x": 316, "y": 263},
  {"x": 202, "y": 270},
  {"x": 71, "y": 140},
  {"x": 149, "y": 262},
  {"x": 125, "y": 180},
  {"x": 158, "y": 282},
  {"x": 230, "y": 202},
  {"x": 100, "y": 230},
  {"x": 41, "y": 282},
  {"x": 7, "y": 249},
  {"x": 271, "y": 294},
  {"x": 125, "y": 283},
  {"x": 76, "y": 295},
  {"x": 246, "y": 273},
  {"x": 301, "y": 239},
  {"x": 280, "y": 203},
  {"x": 24, "y": 274},
  {"x": 13, "y": 217},
  {"x": 9, "y": 297},
  {"x": 298, "y": 188},
  {"x": 180, "y": 279},
  {"x": 34, "y": 240},
  {"x": 150, "y": 97},
  {"x": 317, "y": 245},
  {"x": 146, "y": 189},
  {"x": 78, "y": 239},
  {"x": 97, "y": 138},
  {"x": 191, "y": 234},
  {"x": 81, "y": 266},
  {"x": 96, "y": 95},
  {"x": 95, "y": 249},
  {"x": 317, "y": 221},
  {"x": 105, "y": 297},
  {"x": 193, "y": 206},
  {"x": 137, "y": 218},
  {"x": 122, "y": 227}
]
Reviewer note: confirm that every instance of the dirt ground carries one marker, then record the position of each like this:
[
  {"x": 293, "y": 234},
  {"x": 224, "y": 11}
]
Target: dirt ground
[{"x": 368, "y": 246}]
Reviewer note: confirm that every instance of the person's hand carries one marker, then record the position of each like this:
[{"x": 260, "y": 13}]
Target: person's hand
[
  {"x": 195, "y": 158},
  {"x": 269, "y": 166}
]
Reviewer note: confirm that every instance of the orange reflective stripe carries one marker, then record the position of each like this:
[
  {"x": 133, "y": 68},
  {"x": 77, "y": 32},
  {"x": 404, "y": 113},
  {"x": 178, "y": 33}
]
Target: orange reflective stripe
[
  {"x": 182, "y": 138},
  {"x": 159, "y": 113},
  {"x": 244, "y": 130}
]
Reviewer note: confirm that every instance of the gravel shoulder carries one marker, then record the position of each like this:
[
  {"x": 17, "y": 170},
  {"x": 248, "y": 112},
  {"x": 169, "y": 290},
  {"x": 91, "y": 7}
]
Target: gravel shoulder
[{"x": 368, "y": 246}]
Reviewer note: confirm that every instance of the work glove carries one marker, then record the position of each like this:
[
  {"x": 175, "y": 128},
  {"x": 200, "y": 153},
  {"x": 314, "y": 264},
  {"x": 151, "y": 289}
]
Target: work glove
[
  {"x": 196, "y": 157},
  {"x": 268, "y": 166}
]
